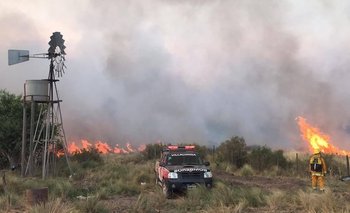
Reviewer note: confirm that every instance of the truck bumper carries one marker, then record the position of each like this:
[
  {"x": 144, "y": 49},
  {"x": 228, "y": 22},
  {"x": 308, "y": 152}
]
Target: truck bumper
[{"x": 178, "y": 184}]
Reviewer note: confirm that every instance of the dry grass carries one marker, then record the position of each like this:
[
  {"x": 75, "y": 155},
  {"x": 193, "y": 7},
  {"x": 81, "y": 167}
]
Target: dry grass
[
  {"x": 275, "y": 199},
  {"x": 116, "y": 186},
  {"x": 238, "y": 208},
  {"x": 53, "y": 206},
  {"x": 246, "y": 171},
  {"x": 326, "y": 202}
]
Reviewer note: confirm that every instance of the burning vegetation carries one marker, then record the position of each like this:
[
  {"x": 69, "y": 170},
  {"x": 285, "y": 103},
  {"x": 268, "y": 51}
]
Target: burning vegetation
[
  {"x": 316, "y": 139},
  {"x": 101, "y": 147}
]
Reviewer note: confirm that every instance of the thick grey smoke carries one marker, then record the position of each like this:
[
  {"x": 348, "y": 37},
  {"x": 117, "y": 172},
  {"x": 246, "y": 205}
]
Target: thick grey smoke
[{"x": 203, "y": 71}]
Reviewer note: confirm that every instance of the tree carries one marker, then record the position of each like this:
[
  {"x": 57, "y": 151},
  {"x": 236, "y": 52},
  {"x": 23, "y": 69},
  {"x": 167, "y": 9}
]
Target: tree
[
  {"x": 233, "y": 151},
  {"x": 10, "y": 127},
  {"x": 262, "y": 158}
]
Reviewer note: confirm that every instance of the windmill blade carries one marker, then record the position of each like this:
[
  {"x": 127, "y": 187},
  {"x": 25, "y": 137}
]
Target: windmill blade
[{"x": 17, "y": 56}]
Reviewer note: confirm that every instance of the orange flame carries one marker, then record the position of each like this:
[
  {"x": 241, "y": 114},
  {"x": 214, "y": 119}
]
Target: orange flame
[
  {"x": 117, "y": 150},
  {"x": 317, "y": 139},
  {"x": 60, "y": 153},
  {"x": 86, "y": 144},
  {"x": 101, "y": 147},
  {"x": 73, "y": 148},
  {"x": 141, "y": 148},
  {"x": 129, "y": 147}
]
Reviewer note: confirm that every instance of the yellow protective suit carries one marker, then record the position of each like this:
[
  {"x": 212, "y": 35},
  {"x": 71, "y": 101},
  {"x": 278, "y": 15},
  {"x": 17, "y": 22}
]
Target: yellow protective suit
[{"x": 318, "y": 170}]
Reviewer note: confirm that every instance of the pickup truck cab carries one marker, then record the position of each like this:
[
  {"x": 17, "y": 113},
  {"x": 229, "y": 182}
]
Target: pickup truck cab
[{"x": 180, "y": 168}]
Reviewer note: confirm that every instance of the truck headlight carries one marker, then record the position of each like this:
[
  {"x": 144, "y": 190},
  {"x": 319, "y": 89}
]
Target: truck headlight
[
  {"x": 172, "y": 175},
  {"x": 208, "y": 175}
]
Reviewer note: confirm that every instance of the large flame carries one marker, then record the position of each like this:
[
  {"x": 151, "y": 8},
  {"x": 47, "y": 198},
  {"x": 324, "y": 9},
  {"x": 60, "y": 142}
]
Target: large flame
[
  {"x": 100, "y": 146},
  {"x": 316, "y": 139}
]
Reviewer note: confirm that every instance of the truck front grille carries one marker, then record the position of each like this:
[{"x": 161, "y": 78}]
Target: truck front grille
[{"x": 191, "y": 175}]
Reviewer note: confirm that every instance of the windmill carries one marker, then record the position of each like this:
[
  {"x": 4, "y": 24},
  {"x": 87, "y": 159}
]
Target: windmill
[{"x": 48, "y": 131}]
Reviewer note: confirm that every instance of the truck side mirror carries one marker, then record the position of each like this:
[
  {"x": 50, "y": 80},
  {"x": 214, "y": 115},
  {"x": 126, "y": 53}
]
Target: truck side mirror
[{"x": 206, "y": 163}]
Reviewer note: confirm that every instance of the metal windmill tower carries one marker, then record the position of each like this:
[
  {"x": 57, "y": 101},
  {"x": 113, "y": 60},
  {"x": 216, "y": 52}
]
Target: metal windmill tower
[{"x": 48, "y": 132}]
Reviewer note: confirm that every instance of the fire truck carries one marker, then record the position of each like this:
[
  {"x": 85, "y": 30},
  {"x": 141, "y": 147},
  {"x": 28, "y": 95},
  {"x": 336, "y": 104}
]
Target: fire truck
[{"x": 181, "y": 168}]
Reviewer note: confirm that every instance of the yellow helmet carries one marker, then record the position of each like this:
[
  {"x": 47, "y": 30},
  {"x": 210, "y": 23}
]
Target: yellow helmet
[{"x": 316, "y": 150}]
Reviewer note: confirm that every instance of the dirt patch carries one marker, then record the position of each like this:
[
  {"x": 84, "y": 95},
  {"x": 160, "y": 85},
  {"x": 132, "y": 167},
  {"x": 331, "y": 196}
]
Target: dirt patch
[{"x": 265, "y": 183}]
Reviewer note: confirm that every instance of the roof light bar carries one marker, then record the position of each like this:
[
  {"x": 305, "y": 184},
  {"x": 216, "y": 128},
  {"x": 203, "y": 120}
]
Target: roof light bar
[
  {"x": 175, "y": 147},
  {"x": 172, "y": 147},
  {"x": 190, "y": 147}
]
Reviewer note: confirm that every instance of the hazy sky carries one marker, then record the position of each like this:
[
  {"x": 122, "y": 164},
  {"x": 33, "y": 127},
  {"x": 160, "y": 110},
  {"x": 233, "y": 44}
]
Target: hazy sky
[{"x": 189, "y": 71}]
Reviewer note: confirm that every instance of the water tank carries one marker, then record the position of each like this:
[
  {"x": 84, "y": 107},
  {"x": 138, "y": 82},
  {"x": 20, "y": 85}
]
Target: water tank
[{"x": 36, "y": 90}]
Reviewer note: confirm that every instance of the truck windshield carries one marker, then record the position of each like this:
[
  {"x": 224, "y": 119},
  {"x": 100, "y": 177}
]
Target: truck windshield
[{"x": 177, "y": 160}]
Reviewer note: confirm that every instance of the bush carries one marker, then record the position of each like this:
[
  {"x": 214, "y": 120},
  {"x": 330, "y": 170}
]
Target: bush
[
  {"x": 233, "y": 151},
  {"x": 152, "y": 151},
  {"x": 88, "y": 158},
  {"x": 246, "y": 170},
  {"x": 263, "y": 158}
]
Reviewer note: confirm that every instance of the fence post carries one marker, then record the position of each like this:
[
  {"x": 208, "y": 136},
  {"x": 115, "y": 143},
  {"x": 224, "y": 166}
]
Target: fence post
[
  {"x": 297, "y": 162},
  {"x": 347, "y": 165},
  {"x": 213, "y": 153}
]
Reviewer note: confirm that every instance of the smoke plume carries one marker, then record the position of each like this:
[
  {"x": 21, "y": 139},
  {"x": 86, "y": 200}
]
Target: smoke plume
[{"x": 201, "y": 71}]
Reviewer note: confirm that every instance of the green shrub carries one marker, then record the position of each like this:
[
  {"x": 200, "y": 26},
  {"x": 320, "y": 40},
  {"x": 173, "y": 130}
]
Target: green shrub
[
  {"x": 76, "y": 191},
  {"x": 88, "y": 158},
  {"x": 152, "y": 151},
  {"x": 233, "y": 151},
  {"x": 246, "y": 171},
  {"x": 254, "y": 197},
  {"x": 263, "y": 158},
  {"x": 225, "y": 195}
]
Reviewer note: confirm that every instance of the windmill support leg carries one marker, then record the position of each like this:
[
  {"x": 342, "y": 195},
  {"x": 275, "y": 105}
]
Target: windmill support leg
[
  {"x": 31, "y": 140},
  {"x": 24, "y": 138},
  {"x": 47, "y": 132}
]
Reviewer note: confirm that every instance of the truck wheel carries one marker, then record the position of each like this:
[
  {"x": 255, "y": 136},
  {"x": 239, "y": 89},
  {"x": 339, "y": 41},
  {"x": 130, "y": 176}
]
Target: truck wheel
[{"x": 166, "y": 191}]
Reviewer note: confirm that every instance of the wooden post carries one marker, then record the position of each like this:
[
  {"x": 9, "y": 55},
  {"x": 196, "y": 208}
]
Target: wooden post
[
  {"x": 347, "y": 165},
  {"x": 297, "y": 162},
  {"x": 213, "y": 153},
  {"x": 3, "y": 187},
  {"x": 4, "y": 183}
]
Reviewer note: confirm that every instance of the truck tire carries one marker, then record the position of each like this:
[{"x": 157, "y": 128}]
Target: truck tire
[{"x": 168, "y": 193}]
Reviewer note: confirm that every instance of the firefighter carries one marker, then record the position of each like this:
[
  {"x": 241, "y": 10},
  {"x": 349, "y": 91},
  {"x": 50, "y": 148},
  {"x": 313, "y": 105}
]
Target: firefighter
[{"x": 318, "y": 170}]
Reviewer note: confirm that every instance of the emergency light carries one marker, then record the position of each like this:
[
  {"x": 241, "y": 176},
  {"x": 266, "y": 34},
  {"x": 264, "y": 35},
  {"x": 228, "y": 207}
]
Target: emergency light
[{"x": 179, "y": 148}]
